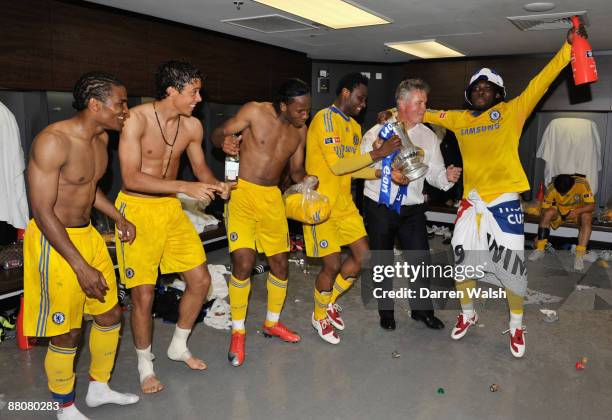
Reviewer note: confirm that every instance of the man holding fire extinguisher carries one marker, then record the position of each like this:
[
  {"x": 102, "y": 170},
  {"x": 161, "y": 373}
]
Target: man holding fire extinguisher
[{"x": 489, "y": 230}]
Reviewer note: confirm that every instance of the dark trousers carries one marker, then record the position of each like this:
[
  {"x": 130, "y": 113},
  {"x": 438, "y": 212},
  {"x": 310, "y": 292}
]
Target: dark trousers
[{"x": 384, "y": 226}]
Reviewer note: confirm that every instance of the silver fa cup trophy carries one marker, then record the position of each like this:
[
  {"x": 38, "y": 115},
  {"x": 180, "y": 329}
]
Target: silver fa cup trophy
[{"x": 410, "y": 158}]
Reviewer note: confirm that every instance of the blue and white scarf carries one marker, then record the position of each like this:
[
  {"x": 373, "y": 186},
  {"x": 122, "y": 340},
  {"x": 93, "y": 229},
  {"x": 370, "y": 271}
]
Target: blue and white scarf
[{"x": 385, "y": 180}]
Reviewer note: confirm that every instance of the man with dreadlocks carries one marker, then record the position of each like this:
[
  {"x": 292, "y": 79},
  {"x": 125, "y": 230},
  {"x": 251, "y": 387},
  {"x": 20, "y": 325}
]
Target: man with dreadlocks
[
  {"x": 268, "y": 136},
  {"x": 68, "y": 270},
  {"x": 150, "y": 149}
]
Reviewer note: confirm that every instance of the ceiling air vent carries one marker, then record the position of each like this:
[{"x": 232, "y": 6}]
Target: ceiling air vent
[
  {"x": 547, "y": 21},
  {"x": 270, "y": 24}
]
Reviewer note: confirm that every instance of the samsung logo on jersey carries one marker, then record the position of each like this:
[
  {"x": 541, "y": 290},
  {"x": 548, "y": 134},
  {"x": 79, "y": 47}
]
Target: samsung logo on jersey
[
  {"x": 479, "y": 129},
  {"x": 342, "y": 149}
]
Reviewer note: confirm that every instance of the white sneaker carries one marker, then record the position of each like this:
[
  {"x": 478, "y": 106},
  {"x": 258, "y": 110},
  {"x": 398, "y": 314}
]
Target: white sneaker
[
  {"x": 325, "y": 330},
  {"x": 591, "y": 256},
  {"x": 517, "y": 341},
  {"x": 461, "y": 326},
  {"x": 536, "y": 255},
  {"x": 579, "y": 263},
  {"x": 333, "y": 314}
]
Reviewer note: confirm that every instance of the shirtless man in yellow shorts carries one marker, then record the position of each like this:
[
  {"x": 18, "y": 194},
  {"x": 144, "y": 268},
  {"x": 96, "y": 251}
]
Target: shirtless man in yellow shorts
[
  {"x": 68, "y": 270},
  {"x": 150, "y": 149},
  {"x": 273, "y": 134}
]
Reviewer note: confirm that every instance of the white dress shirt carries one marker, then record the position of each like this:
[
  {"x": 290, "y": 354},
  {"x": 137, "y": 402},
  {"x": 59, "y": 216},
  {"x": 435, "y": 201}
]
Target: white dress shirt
[{"x": 420, "y": 136}]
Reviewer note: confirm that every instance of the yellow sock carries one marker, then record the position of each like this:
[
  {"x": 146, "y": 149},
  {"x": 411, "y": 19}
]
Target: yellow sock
[
  {"x": 239, "y": 302},
  {"x": 464, "y": 297},
  {"x": 515, "y": 302},
  {"x": 321, "y": 299},
  {"x": 580, "y": 250},
  {"x": 341, "y": 285},
  {"x": 59, "y": 365},
  {"x": 277, "y": 291},
  {"x": 103, "y": 343},
  {"x": 541, "y": 244}
]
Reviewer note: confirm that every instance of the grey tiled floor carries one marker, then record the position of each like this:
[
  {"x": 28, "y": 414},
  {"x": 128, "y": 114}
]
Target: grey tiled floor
[{"x": 358, "y": 379}]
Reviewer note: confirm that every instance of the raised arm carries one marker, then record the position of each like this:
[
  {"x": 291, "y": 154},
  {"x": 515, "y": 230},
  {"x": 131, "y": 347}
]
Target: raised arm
[
  {"x": 537, "y": 87},
  {"x": 49, "y": 153},
  {"x": 226, "y": 135}
]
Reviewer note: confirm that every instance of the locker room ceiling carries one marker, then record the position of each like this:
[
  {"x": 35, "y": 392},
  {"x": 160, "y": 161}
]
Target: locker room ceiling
[{"x": 475, "y": 27}]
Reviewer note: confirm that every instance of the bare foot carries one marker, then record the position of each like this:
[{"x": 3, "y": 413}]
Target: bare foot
[
  {"x": 195, "y": 363},
  {"x": 151, "y": 385},
  {"x": 186, "y": 356}
]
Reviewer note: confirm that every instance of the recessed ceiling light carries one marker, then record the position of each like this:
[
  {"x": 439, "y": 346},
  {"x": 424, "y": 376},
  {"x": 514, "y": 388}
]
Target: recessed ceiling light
[
  {"x": 336, "y": 14},
  {"x": 425, "y": 48},
  {"x": 539, "y": 7}
]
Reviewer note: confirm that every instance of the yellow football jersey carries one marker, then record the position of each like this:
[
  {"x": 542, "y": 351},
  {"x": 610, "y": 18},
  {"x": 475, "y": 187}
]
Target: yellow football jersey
[
  {"x": 489, "y": 140},
  {"x": 332, "y": 136},
  {"x": 579, "y": 195}
]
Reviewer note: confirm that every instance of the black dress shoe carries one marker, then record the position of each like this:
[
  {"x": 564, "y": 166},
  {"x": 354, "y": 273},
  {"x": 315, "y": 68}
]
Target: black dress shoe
[
  {"x": 428, "y": 319},
  {"x": 387, "y": 320}
]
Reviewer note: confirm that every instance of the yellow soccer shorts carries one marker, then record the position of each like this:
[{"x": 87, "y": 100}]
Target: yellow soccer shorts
[
  {"x": 255, "y": 218},
  {"x": 54, "y": 302},
  {"x": 165, "y": 239},
  {"x": 559, "y": 220},
  {"x": 344, "y": 226},
  {"x": 562, "y": 217}
]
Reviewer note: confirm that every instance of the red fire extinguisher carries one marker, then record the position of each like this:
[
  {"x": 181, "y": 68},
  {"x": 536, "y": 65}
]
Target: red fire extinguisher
[{"x": 583, "y": 62}]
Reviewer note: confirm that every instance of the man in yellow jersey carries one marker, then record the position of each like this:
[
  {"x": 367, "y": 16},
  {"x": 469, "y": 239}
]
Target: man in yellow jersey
[
  {"x": 568, "y": 199},
  {"x": 333, "y": 155},
  {"x": 489, "y": 227},
  {"x": 150, "y": 149},
  {"x": 273, "y": 135},
  {"x": 67, "y": 268}
]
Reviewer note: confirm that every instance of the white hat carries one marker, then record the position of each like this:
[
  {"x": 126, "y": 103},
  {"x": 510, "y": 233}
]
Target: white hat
[{"x": 488, "y": 75}]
